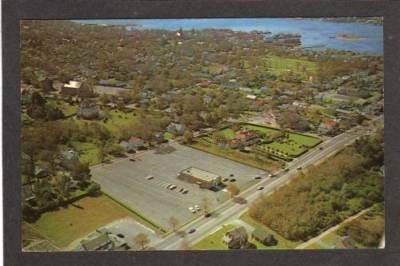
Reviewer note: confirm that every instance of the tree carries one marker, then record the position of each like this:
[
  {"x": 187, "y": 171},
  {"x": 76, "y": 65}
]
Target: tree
[
  {"x": 233, "y": 189},
  {"x": 142, "y": 240},
  {"x": 81, "y": 172},
  {"x": 218, "y": 137},
  {"x": 188, "y": 136},
  {"x": 205, "y": 205},
  {"x": 174, "y": 222},
  {"x": 101, "y": 154},
  {"x": 184, "y": 245}
]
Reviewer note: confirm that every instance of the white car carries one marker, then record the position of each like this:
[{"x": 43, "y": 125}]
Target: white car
[
  {"x": 168, "y": 186},
  {"x": 197, "y": 207},
  {"x": 192, "y": 210},
  {"x": 149, "y": 177},
  {"x": 172, "y": 187}
]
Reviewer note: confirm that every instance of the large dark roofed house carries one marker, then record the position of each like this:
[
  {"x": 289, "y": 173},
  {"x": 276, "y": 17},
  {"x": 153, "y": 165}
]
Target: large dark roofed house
[
  {"x": 176, "y": 129},
  {"x": 136, "y": 143},
  {"x": 236, "y": 238},
  {"x": 88, "y": 110},
  {"x": 103, "y": 240}
]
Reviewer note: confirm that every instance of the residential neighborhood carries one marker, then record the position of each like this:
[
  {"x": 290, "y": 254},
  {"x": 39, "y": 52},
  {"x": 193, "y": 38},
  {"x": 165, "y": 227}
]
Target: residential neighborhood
[{"x": 202, "y": 138}]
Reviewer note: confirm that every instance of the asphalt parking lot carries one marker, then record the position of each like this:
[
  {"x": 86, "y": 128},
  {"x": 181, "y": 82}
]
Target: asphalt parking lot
[{"x": 126, "y": 181}]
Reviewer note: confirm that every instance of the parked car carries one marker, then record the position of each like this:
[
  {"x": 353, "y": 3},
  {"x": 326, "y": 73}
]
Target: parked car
[
  {"x": 181, "y": 190},
  {"x": 257, "y": 177},
  {"x": 271, "y": 175},
  {"x": 185, "y": 191},
  {"x": 149, "y": 177},
  {"x": 233, "y": 180},
  {"x": 172, "y": 187},
  {"x": 132, "y": 160},
  {"x": 225, "y": 179},
  {"x": 192, "y": 210},
  {"x": 197, "y": 207},
  {"x": 260, "y": 188},
  {"x": 299, "y": 168},
  {"x": 168, "y": 186},
  {"x": 231, "y": 175},
  {"x": 191, "y": 231}
]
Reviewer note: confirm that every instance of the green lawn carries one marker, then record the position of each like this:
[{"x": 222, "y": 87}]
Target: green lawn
[
  {"x": 77, "y": 220},
  {"x": 168, "y": 135},
  {"x": 238, "y": 156},
  {"x": 280, "y": 65},
  {"x": 283, "y": 243},
  {"x": 228, "y": 133},
  {"x": 213, "y": 241},
  {"x": 118, "y": 119},
  {"x": 87, "y": 151}
]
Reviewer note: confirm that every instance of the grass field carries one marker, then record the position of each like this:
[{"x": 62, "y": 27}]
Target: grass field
[
  {"x": 283, "y": 243},
  {"x": 77, "y": 220},
  {"x": 238, "y": 156},
  {"x": 280, "y": 65},
  {"x": 213, "y": 241},
  {"x": 118, "y": 119}
]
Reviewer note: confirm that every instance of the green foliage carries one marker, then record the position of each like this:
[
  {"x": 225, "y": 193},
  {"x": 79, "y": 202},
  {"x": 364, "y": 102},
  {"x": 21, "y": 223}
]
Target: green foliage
[
  {"x": 324, "y": 196},
  {"x": 366, "y": 229}
]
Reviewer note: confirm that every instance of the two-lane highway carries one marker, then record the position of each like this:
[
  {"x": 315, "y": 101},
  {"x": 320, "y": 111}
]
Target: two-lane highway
[{"x": 231, "y": 210}]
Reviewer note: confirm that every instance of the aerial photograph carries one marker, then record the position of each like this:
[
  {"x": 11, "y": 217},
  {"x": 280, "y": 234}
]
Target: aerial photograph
[{"x": 202, "y": 134}]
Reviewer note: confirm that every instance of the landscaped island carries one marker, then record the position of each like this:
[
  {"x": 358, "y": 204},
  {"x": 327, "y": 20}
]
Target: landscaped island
[{"x": 350, "y": 37}]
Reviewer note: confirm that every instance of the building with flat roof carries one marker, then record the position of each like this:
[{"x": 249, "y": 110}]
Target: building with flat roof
[{"x": 203, "y": 178}]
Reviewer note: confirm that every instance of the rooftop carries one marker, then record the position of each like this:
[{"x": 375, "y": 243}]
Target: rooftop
[{"x": 201, "y": 174}]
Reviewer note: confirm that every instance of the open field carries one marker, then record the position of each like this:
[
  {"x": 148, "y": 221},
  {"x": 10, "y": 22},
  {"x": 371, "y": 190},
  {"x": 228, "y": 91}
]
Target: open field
[
  {"x": 78, "y": 219},
  {"x": 126, "y": 181},
  {"x": 238, "y": 156},
  {"x": 280, "y": 66}
]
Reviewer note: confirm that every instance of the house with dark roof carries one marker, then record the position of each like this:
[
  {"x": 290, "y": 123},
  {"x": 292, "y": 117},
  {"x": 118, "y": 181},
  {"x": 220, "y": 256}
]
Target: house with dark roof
[
  {"x": 88, "y": 110},
  {"x": 128, "y": 147},
  {"x": 103, "y": 240},
  {"x": 136, "y": 143},
  {"x": 69, "y": 158},
  {"x": 236, "y": 238},
  {"x": 176, "y": 129},
  {"x": 264, "y": 237}
]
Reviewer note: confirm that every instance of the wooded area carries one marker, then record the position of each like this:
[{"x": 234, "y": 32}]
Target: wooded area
[{"x": 326, "y": 195}]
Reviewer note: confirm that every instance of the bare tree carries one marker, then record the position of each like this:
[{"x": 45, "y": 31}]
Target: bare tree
[
  {"x": 233, "y": 189},
  {"x": 174, "y": 222},
  {"x": 205, "y": 205},
  {"x": 141, "y": 240},
  {"x": 184, "y": 245}
]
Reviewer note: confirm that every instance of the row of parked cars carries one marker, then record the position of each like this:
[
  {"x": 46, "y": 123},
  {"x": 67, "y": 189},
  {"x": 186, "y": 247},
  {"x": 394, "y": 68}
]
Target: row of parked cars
[
  {"x": 170, "y": 186},
  {"x": 194, "y": 209}
]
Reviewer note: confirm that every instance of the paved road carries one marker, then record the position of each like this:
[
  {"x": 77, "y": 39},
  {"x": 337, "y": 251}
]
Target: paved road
[{"x": 229, "y": 209}]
